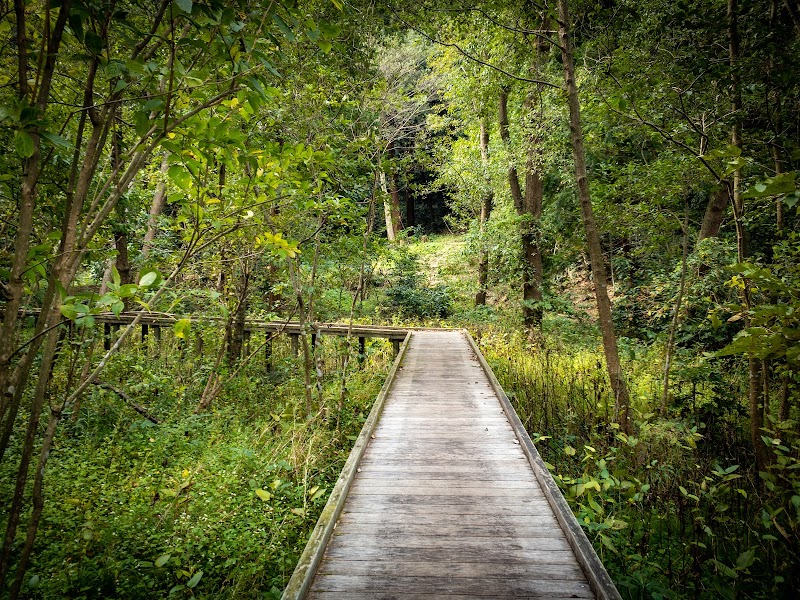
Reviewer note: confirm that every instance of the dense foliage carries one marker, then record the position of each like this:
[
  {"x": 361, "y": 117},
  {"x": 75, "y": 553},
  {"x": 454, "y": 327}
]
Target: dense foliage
[{"x": 226, "y": 160}]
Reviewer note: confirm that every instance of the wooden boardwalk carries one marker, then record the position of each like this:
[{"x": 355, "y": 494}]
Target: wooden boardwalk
[{"x": 444, "y": 500}]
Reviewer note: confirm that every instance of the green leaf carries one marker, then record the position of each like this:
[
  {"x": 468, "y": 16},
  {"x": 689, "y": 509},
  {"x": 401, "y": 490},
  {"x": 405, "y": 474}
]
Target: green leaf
[
  {"x": 115, "y": 276},
  {"x": 746, "y": 559},
  {"x": 194, "y": 580},
  {"x": 69, "y": 312},
  {"x": 117, "y": 308},
  {"x": 182, "y": 327},
  {"x": 300, "y": 512},
  {"x": 263, "y": 494},
  {"x": 162, "y": 560},
  {"x": 148, "y": 279},
  {"x": 23, "y": 142},
  {"x": 185, "y": 6},
  {"x": 127, "y": 290},
  {"x": 94, "y": 43},
  {"x": 180, "y": 177},
  {"x": 607, "y": 543},
  {"x": 285, "y": 30},
  {"x": 56, "y": 140}
]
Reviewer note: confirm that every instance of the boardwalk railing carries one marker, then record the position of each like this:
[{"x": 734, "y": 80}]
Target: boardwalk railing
[{"x": 154, "y": 321}]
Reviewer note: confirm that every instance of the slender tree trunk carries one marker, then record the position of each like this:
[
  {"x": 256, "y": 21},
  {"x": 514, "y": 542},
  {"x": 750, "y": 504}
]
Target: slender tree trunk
[
  {"x": 156, "y": 209},
  {"x": 17, "y": 500},
  {"x": 358, "y": 294},
  {"x": 391, "y": 230},
  {"x": 783, "y": 414},
  {"x": 513, "y": 176},
  {"x": 411, "y": 217},
  {"x": 754, "y": 365},
  {"x": 236, "y": 338},
  {"x": 10, "y": 383},
  {"x": 529, "y": 206},
  {"x": 615, "y": 374},
  {"x": 677, "y": 311},
  {"x": 394, "y": 194},
  {"x": 486, "y": 212},
  {"x": 37, "y": 499}
]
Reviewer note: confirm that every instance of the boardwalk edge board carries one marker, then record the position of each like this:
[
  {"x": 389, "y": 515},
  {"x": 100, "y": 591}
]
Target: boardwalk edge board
[
  {"x": 306, "y": 568},
  {"x": 593, "y": 568}
]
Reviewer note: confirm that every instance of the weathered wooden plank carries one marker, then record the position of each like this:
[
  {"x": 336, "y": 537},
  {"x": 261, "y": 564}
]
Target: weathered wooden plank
[
  {"x": 438, "y": 473},
  {"x": 485, "y": 570},
  {"x": 377, "y": 484},
  {"x": 544, "y": 528},
  {"x": 418, "y": 595},
  {"x": 460, "y": 468},
  {"x": 508, "y": 588},
  {"x": 434, "y": 454},
  {"x": 465, "y": 493},
  {"x": 416, "y": 508},
  {"x": 449, "y": 555},
  {"x": 446, "y": 519},
  {"x": 496, "y": 543}
]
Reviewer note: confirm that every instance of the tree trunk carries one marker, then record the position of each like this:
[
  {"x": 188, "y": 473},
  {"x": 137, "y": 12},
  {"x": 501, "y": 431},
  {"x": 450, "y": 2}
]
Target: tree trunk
[
  {"x": 236, "y": 337},
  {"x": 755, "y": 399},
  {"x": 715, "y": 213},
  {"x": 529, "y": 207},
  {"x": 411, "y": 217},
  {"x": 391, "y": 230},
  {"x": 532, "y": 311},
  {"x": 156, "y": 209},
  {"x": 513, "y": 177},
  {"x": 486, "y": 211},
  {"x": 677, "y": 311},
  {"x": 394, "y": 194},
  {"x": 615, "y": 374}
]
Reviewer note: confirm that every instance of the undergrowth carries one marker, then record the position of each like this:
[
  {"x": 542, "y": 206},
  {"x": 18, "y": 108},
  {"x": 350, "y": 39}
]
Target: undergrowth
[
  {"x": 217, "y": 504},
  {"x": 675, "y": 510}
]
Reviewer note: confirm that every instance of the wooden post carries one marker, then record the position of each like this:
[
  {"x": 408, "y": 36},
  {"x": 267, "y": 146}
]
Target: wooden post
[
  {"x": 246, "y": 342},
  {"x": 396, "y": 347},
  {"x": 145, "y": 331},
  {"x": 106, "y": 336},
  {"x": 157, "y": 332},
  {"x": 268, "y": 352},
  {"x": 362, "y": 352},
  {"x": 295, "y": 342},
  {"x": 313, "y": 342}
]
